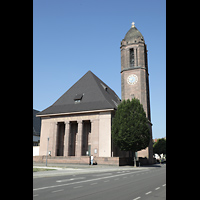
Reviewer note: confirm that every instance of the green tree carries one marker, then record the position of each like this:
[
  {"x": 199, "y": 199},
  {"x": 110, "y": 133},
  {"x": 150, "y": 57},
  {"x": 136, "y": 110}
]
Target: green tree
[
  {"x": 159, "y": 147},
  {"x": 130, "y": 130}
]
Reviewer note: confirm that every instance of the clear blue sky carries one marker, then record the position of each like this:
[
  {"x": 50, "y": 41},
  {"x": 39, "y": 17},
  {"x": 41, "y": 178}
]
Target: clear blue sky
[{"x": 71, "y": 37}]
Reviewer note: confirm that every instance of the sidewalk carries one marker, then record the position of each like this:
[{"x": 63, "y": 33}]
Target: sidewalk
[
  {"x": 73, "y": 169},
  {"x": 84, "y": 166},
  {"x": 80, "y": 166}
]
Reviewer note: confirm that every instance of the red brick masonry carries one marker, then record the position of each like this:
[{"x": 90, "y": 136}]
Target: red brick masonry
[{"x": 78, "y": 160}]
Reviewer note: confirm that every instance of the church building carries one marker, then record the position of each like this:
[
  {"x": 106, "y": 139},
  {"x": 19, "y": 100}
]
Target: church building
[
  {"x": 79, "y": 123},
  {"x": 80, "y": 120}
]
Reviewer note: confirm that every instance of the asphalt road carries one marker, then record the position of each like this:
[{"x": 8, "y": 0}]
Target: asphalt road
[{"x": 124, "y": 185}]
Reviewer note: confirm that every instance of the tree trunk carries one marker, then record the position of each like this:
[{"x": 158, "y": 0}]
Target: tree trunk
[{"x": 134, "y": 159}]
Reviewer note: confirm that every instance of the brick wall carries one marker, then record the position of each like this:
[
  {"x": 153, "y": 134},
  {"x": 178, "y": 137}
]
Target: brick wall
[
  {"x": 77, "y": 160},
  {"x": 62, "y": 159},
  {"x": 107, "y": 160}
]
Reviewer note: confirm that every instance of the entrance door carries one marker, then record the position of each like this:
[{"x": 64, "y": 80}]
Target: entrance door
[
  {"x": 72, "y": 138},
  {"x": 60, "y": 139},
  {"x": 85, "y": 136}
]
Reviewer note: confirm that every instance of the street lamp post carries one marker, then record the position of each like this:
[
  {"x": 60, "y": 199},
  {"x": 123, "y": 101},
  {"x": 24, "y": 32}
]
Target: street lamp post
[{"x": 47, "y": 149}]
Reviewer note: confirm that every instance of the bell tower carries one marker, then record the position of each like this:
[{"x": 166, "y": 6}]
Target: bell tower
[{"x": 135, "y": 76}]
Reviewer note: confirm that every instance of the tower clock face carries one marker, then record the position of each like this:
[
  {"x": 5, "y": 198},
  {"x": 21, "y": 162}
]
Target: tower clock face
[{"x": 132, "y": 79}]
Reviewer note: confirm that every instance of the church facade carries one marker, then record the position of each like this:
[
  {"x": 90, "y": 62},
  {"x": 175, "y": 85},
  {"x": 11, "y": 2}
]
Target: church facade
[{"x": 79, "y": 122}]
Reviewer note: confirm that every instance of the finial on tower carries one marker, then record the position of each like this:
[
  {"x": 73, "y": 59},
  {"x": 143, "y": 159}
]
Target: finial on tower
[{"x": 133, "y": 24}]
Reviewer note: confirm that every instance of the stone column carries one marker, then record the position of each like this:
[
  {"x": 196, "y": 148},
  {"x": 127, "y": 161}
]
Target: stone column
[
  {"x": 55, "y": 132},
  {"x": 95, "y": 137},
  {"x": 79, "y": 139},
  {"x": 66, "y": 138}
]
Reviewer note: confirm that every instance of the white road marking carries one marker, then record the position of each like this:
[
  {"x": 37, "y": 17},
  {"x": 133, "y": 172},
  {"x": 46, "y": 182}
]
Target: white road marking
[
  {"x": 148, "y": 192},
  {"x": 163, "y": 185},
  {"x": 71, "y": 179},
  {"x": 57, "y": 190},
  {"x": 35, "y": 195},
  {"x": 85, "y": 181},
  {"x": 78, "y": 187},
  {"x": 157, "y": 188},
  {"x": 93, "y": 183},
  {"x": 103, "y": 174},
  {"x": 137, "y": 198}
]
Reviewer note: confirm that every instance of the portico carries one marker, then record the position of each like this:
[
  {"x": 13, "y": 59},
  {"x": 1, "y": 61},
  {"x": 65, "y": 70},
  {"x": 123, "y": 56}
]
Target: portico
[
  {"x": 75, "y": 135},
  {"x": 73, "y": 138}
]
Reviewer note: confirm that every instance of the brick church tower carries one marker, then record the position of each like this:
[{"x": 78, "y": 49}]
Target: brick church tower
[{"x": 135, "y": 77}]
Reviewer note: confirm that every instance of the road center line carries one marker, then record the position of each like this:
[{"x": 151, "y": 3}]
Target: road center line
[
  {"x": 71, "y": 179},
  {"x": 137, "y": 198},
  {"x": 157, "y": 188},
  {"x": 53, "y": 186},
  {"x": 57, "y": 190},
  {"x": 148, "y": 192}
]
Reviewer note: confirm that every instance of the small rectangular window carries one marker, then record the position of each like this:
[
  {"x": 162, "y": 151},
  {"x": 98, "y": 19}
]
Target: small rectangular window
[
  {"x": 78, "y": 98},
  {"x": 77, "y": 101},
  {"x": 132, "y": 60}
]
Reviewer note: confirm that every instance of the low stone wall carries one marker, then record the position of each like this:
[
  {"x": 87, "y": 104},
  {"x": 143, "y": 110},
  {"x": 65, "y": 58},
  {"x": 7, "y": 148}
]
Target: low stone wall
[
  {"x": 124, "y": 161},
  {"x": 77, "y": 160},
  {"x": 143, "y": 161},
  {"x": 107, "y": 160},
  {"x": 86, "y": 160},
  {"x": 38, "y": 158},
  {"x": 62, "y": 159}
]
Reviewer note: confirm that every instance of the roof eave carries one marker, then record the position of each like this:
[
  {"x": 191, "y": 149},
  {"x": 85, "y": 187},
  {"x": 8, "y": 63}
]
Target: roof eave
[{"x": 78, "y": 112}]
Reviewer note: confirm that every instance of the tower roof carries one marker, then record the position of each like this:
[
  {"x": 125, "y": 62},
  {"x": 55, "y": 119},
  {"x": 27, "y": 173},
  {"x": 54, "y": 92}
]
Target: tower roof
[
  {"x": 87, "y": 94},
  {"x": 133, "y": 35}
]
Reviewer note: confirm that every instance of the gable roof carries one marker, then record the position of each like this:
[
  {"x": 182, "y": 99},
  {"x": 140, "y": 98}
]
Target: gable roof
[{"x": 87, "y": 94}]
